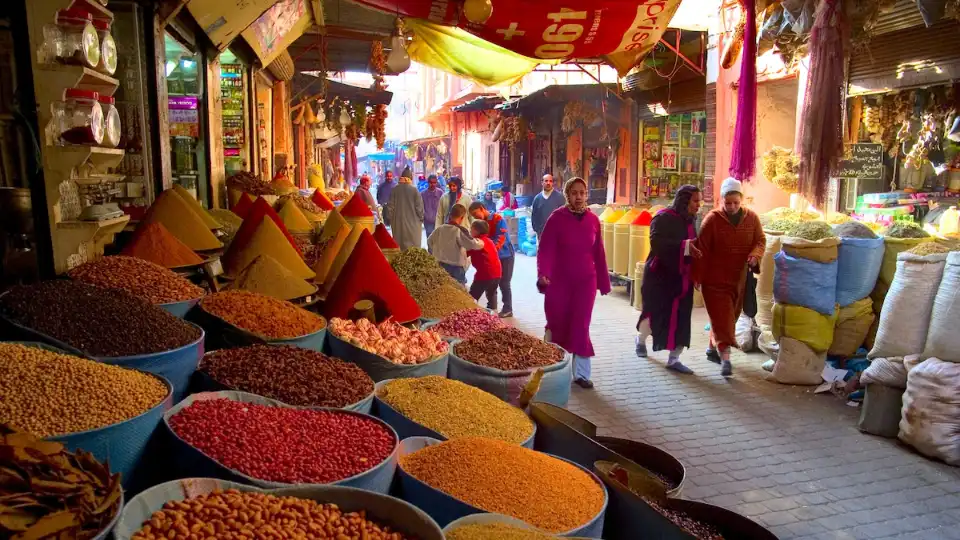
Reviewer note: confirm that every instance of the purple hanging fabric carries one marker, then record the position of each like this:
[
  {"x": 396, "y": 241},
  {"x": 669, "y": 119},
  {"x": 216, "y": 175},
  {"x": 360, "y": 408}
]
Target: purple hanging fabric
[{"x": 743, "y": 159}]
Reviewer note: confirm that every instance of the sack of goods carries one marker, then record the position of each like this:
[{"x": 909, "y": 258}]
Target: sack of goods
[
  {"x": 905, "y": 317},
  {"x": 853, "y": 325},
  {"x": 765, "y": 281},
  {"x": 804, "y": 325},
  {"x": 887, "y": 372},
  {"x": 931, "y": 410},
  {"x": 943, "y": 341},
  {"x": 798, "y": 364},
  {"x": 804, "y": 282},
  {"x": 885, "y": 379},
  {"x": 892, "y": 248},
  {"x": 809, "y": 242},
  {"x": 859, "y": 261}
]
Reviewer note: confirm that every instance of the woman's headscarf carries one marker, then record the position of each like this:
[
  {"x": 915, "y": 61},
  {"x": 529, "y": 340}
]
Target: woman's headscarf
[
  {"x": 681, "y": 201},
  {"x": 569, "y": 186},
  {"x": 456, "y": 180}
]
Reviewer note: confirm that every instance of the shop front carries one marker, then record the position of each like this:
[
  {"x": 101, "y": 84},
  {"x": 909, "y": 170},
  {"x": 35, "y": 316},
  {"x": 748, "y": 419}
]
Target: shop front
[{"x": 187, "y": 117}]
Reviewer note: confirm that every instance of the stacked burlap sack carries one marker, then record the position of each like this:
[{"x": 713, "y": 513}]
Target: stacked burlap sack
[
  {"x": 766, "y": 342},
  {"x": 859, "y": 258},
  {"x": 930, "y": 416},
  {"x": 805, "y": 309}
]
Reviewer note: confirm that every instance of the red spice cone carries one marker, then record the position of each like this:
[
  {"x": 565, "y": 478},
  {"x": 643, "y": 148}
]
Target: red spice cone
[
  {"x": 320, "y": 199},
  {"x": 383, "y": 238},
  {"x": 242, "y": 208}
]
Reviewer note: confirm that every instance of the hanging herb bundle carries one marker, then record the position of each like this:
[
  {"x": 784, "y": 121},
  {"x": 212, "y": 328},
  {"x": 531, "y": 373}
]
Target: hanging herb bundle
[
  {"x": 821, "y": 138},
  {"x": 376, "y": 121},
  {"x": 577, "y": 114},
  {"x": 332, "y": 110},
  {"x": 780, "y": 166}
]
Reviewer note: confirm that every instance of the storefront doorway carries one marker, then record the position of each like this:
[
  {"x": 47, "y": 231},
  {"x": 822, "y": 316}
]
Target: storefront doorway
[{"x": 185, "y": 89}]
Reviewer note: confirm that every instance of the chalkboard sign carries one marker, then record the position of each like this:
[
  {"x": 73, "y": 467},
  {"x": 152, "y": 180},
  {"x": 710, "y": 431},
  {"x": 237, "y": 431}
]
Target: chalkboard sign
[{"x": 865, "y": 163}]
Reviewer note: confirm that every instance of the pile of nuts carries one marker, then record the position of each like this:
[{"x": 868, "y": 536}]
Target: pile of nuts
[
  {"x": 454, "y": 409},
  {"x": 263, "y": 315},
  {"x": 235, "y": 514},
  {"x": 544, "y": 491},
  {"x": 100, "y": 322},
  {"x": 49, "y": 394},
  {"x": 466, "y": 323},
  {"x": 292, "y": 375},
  {"x": 48, "y": 492},
  {"x": 141, "y": 278},
  {"x": 390, "y": 340},
  {"x": 283, "y": 444},
  {"x": 508, "y": 349},
  {"x": 496, "y": 531}
]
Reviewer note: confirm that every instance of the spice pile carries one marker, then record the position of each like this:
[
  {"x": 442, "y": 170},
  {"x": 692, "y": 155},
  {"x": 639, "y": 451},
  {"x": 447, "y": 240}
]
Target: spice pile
[
  {"x": 289, "y": 374},
  {"x": 49, "y": 394},
  {"x": 454, "y": 409},
  {"x": 466, "y": 323},
  {"x": 508, "y": 349},
  {"x": 905, "y": 229},
  {"x": 262, "y": 315},
  {"x": 293, "y": 446},
  {"x": 229, "y": 221},
  {"x": 303, "y": 203},
  {"x": 543, "y": 491},
  {"x": 248, "y": 518},
  {"x": 265, "y": 275},
  {"x": 153, "y": 242},
  {"x": 854, "y": 229},
  {"x": 141, "y": 278},
  {"x": 99, "y": 322},
  {"x": 437, "y": 294},
  {"x": 495, "y": 531},
  {"x": 390, "y": 340},
  {"x": 48, "y": 492},
  {"x": 812, "y": 231},
  {"x": 930, "y": 248},
  {"x": 249, "y": 183}
]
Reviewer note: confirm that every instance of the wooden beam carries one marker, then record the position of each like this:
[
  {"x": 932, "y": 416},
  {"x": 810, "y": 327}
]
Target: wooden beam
[{"x": 344, "y": 32}]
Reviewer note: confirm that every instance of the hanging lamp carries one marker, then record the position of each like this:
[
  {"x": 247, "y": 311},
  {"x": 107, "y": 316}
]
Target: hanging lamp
[
  {"x": 478, "y": 11},
  {"x": 398, "y": 60}
]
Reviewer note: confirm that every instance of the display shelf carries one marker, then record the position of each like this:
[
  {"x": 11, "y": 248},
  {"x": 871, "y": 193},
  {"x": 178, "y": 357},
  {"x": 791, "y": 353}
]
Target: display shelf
[
  {"x": 58, "y": 78},
  {"x": 66, "y": 159},
  {"x": 71, "y": 235},
  {"x": 98, "y": 9},
  {"x": 95, "y": 179}
]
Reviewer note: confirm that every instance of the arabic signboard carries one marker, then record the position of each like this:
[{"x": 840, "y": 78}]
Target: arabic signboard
[
  {"x": 865, "y": 162},
  {"x": 556, "y": 29},
  {"x": 277, "y": 28}
]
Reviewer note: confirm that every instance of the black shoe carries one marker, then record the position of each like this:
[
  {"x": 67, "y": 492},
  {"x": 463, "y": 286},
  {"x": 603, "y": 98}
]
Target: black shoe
[
  {"x": 641, "y": 347},
  {"x": 505, "y": 314},
  {"x": 713, "y": 356},
  {"x": 586, "y": 384}
]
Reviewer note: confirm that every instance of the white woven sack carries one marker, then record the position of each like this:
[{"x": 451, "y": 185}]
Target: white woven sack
[
  {"x": 765, "y": 281},
  {"x": 943, "y": 339},
  {"x": 931, "y": 410},
  {"x": 885, "y": 371},
  {"x": 905, "y": 317},
  {"x": 797, "y": 363}
]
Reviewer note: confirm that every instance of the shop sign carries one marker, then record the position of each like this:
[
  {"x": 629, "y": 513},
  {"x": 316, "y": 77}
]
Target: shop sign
[
  {"x": 223, "y": 21},
  {"x": 556, "y": 29},
  {"x": 865, "y": 161},
  {"x": 277, "y": 28},
  {"x": 183, "y": 103}
]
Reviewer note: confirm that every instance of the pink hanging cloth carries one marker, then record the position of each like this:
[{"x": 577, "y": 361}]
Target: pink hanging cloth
[{"x": 744, "y": 155}]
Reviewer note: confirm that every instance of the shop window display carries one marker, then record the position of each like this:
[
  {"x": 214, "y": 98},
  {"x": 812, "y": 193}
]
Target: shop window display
[
  {"x": 673, "y": 153},
  {"x": 184, "y": 69},
  {"x": 233, "y": 91}
]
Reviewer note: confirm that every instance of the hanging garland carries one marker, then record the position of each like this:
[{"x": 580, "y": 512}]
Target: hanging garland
[{"x": 376, "y": 120}]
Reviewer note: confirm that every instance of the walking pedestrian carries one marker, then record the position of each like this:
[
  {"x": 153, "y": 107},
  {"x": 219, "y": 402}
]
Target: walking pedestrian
[
  {"x": 571, "y": 268},
  {"x": 501, "y": 240},
  {"x": 544, "y": 204},
  {"x": 487, "y": 265},
  {"x": 385, "y": 188},
  {"x": 431, "y": 200},
  {"x": 363, "y": 191},
  {"x": 456, "y": 196},
  {"x": 449, "y": 244},
  {"x": 732, "y": 242},
  {"x": 667, "y": 288},
  {"x": 404, "y": 214}
]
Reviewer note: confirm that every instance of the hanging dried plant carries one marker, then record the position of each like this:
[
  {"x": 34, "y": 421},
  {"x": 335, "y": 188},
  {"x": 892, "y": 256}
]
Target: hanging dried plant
[{"x": 577, "y": 114}]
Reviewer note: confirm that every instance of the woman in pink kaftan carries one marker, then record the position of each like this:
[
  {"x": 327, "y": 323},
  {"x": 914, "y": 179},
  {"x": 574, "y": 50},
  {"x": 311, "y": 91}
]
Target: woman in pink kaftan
[{"x": 571, "y": 268}]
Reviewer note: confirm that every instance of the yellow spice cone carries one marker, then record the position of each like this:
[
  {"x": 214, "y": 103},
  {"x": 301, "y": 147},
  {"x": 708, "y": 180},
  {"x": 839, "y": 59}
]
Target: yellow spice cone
[
  {"x": 333, "y": 243},
  {"x": 340, "y": 260},
  {"x": 198, "y": 209},
  {"x": 174, "y": 213},
  {"x": 265, "y": 275},
  {"x": 333, "y": 224},
  {"x": 268, "y": 239},
  {"x": 293, "y": 218}
]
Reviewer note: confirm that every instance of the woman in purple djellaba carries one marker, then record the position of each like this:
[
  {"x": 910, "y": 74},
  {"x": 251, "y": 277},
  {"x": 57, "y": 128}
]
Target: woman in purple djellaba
[{"x": 571, "y": 268}]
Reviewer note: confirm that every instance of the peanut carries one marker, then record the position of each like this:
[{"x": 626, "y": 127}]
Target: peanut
[{"x": 141, "y": 278}]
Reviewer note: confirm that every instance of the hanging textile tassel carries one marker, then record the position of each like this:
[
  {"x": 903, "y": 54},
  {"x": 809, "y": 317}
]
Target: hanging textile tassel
[
  {"x": 820, "y": 142},
  {"x": 743, "y": 160}
]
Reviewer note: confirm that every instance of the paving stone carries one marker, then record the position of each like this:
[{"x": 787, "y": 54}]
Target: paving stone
[{"x": 747, "y": 442}]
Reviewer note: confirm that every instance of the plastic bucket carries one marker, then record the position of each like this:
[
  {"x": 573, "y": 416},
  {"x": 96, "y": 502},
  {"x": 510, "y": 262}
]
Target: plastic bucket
[
  {"x": 446, "y": 509},
  {"x": 179, "y": 309},
  {"x": 621, "y": 248},
  {"x": 123, "y": 444},
  {"x": 639, "y": 247},
  {"x": 176, "y": 365},
  {"x": 406, "y": 427},
  {"x": 381, "y": 369},
  {"x": 223, "y": 335},
  {"x": 563, "y": 433},
  {"x": 191, "y": 461},
  {"x": 314, "y": 341},
  {"x": 105, "y": 533},
  {"x": 608, "y": 242},
  {"x": 482, "y": 519},
  {"x": 203, "y": 382},
  {"x": 628, "y": 513},
  {"x": 398, "y": 515},
  {"x": 508, "y": 385}
]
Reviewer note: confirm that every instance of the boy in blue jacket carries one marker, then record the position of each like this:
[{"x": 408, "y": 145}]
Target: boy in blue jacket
[{"x": 500, "y": 238}]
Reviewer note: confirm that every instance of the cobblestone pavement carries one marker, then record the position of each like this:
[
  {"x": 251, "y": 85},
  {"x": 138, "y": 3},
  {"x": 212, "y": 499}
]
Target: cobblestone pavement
[{"x": 793, "y": 461}]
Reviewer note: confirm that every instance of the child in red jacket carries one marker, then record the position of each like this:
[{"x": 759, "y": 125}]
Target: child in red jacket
[{"x": 487, "y": 263}]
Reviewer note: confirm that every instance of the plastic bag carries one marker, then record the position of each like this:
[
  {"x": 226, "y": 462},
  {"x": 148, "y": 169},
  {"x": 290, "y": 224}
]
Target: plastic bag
[
  {"x": 853, "y": 326},
  {"x": 930, "y": 419},
  {"x": 803, "y": 282},
  {"x": 798, "y": 364},
  {"x": 905, "y": 317},
  {"x": 768, "y": 344},
  {"x": 744, "y": 333},
  {"x": 886, "y": 371},
  {"x": 823, "y": 251},
  {"x": 943, "y": 340},
  {"x": 859, "y": 261},
  {"x": 805, "y": 325}
]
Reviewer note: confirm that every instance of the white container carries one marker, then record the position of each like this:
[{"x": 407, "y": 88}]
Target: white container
[
  {"x": 108, "y": 47},
  {"x": 111, "y": 122},
  {"x": 82, "y": 119}
]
